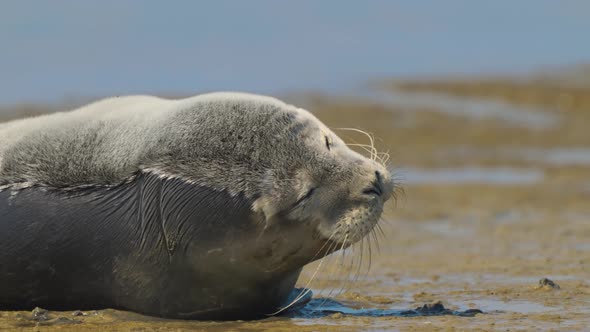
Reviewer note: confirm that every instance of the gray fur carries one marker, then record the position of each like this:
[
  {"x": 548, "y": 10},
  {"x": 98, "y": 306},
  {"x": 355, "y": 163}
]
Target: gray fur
[{"x": 105, "y": 142}]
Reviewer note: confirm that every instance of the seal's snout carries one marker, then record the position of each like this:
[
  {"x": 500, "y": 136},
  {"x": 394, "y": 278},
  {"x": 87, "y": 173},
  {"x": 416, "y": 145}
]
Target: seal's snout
[{"x": 380, "y": 183}]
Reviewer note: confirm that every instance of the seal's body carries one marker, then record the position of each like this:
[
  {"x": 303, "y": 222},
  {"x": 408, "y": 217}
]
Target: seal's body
[{"x": 202, "y": 208}]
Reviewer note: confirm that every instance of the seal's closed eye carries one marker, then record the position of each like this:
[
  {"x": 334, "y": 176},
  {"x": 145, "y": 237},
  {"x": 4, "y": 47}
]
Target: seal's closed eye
[
  {"x": 328, "y": 142},
  {"x": 307, "y": 195}
]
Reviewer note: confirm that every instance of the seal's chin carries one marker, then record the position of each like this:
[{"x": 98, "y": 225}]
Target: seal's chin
[{"x": 353, "y": 225}]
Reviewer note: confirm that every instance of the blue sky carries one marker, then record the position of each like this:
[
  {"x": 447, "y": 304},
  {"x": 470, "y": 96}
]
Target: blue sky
[{"x": 57, "y": 49}]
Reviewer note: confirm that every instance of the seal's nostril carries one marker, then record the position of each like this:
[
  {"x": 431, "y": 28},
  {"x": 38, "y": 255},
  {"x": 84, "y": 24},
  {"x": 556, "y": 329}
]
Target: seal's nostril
[
  {"x": 378, "y": 182},
  {"x": 372, "y": 191},
  {"x": 377, "y": 186},
  {"x": 378, "y": 177}
]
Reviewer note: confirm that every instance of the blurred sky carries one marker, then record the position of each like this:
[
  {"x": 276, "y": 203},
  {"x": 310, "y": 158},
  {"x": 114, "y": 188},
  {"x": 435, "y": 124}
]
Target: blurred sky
[{"x": 50, "y": 50}]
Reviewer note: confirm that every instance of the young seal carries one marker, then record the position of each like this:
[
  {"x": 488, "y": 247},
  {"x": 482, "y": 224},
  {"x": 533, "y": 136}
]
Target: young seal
[{"x": 200, "y": 208}]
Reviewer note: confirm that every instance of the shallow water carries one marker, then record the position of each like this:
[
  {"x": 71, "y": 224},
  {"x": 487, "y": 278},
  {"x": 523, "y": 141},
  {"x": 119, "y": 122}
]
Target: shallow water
[
  {"x": 320, "y": 307},
  {"x": 523, "y": 307},
  {"x": 566, "y": 156},
  {"x": 557, "y": 157},
  {"x": 474, "y": 108},
  {"x": 470, "y": 175}
]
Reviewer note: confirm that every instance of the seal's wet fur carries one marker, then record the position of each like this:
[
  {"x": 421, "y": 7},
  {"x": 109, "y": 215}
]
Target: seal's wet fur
[{"x": 203, "y": 208}]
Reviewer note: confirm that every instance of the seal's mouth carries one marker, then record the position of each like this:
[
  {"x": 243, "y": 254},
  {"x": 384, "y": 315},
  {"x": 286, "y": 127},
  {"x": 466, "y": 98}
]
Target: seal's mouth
[
  {"x": 373, "y": 191},
  {"x": 354, "y": 224}
]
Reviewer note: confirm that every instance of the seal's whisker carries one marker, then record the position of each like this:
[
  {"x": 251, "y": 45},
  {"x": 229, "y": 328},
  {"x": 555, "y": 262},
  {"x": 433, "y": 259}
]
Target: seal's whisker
[
  {"x": 398, "y": 189},
  {"x": 356, "y": 260},
  {"x": 380, "y": 229},
  {"x": 386, "y": 153},
  {"x": 374, "y": 234},
  {"x": 370, "y": 254},
  {"x": 363, "y": 146},
  {"x": 366, "y": 250},
  {"x": 368, "y": 148},
  {"x": 360, "y": 261},
  {"x": 371, "y": 139},
  {"x": 344, "y": 252},
  {"x": 337, "y": 266},
  {"x": 337, "y": 271},
  {"x": 331, "y": 262},
  {"x": 384, "y": 157},
  {"x": 373, "y": 145},
  {"x": 348, "y": 281}
]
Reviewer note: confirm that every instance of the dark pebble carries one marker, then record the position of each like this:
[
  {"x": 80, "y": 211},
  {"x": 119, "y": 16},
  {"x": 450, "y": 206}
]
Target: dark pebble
[
  {"x": 39, "y": 314},
  {"x": 548, "y": 283}
]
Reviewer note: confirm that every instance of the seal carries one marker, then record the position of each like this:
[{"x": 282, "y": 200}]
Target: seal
[{"x": 200, "y": 208}]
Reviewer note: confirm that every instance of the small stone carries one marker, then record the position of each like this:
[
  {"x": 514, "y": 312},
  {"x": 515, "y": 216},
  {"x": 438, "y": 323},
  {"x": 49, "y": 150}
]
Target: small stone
[
  {"x": 470, "y": 312},
  {"x": 432, "y": 308},
  {"x": 546, "y": 283},
  {"x": 78, "y": 313},
  {"x": 39, "y": 314},
  {"x": 337, "y": 315},
  {"x": 63, "y": 321}
]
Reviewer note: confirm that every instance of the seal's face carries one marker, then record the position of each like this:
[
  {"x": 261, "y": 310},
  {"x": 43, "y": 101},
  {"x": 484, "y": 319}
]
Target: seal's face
[{"x": 327, "y": 184}]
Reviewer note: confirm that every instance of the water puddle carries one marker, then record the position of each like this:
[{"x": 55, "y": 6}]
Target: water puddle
[
  {"x": 512, "y": 217},
  {"x": 468, "y": 107},
  {"x": 583, "y": 247},
  {"x": 523, "y": 307},
  {"x": 502, "y": 279},
  {"x": 445, "y": 228},
  {"x": 579, "y": 156},
  {"x": 556, "y": 157},
  {"x": 471, "y": 175},
  {"x": 321, "y": 307}
]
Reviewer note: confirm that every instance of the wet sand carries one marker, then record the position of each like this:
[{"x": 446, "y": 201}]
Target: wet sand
[{"x": 489, "y": 208}]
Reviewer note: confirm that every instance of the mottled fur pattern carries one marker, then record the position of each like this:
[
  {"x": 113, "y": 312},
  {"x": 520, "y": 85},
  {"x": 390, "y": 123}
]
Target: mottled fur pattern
[{"x": 107, "y": 141}]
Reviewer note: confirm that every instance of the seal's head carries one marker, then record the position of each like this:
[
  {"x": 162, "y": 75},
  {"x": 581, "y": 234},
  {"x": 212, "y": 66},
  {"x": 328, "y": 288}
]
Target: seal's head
[{"x": 321, "y": 181}]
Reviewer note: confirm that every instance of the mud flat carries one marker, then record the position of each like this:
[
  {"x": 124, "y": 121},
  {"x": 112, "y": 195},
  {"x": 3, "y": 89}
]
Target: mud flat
[{"x": 491, "y": 233}]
